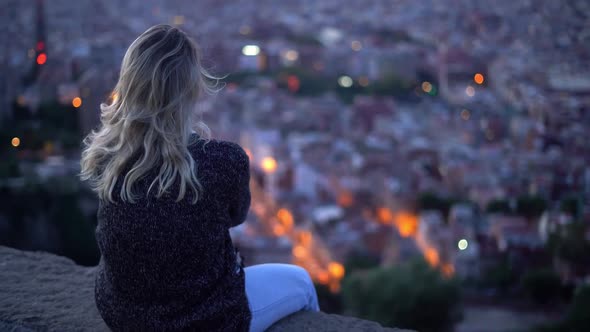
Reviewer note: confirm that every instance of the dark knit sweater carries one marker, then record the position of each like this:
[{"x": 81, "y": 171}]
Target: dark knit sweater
[{"x": 169, "y": 266}]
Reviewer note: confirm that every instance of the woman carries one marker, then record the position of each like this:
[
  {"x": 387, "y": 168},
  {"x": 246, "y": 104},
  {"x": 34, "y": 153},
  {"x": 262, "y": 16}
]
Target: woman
[{"x": 168, "y": 196}]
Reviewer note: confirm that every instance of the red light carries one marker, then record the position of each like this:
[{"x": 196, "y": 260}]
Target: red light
[
  {"x": 41, "y": 58},
  {"x": 40, "y": 46},
  {"x": 293, "y": 83}
]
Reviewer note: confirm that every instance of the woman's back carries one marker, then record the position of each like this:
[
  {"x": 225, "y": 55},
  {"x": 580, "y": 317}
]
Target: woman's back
[
  {"x": 167, "y": 200},
  {"x": 172, "y": 263}
]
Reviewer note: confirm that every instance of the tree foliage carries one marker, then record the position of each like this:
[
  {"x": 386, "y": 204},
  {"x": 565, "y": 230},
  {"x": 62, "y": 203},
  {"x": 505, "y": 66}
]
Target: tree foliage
[
  {"x": 75, "y": 231},
  {"x": 572, "y": 205},
  {"x": 578, "y": 318},
  {"x": 360, "y": 260},
  {"x": 531, "y": 206},
  {"x": 499, "y": 276},
  {"x": 499, "y": 206},
  {"x": 413, "y": 296},
  {"x": 432, "y": 201},
  {"x": 569, "y": 243},
  {"x": 56, "y": 204},
  {"x": 541, "y": 285}
]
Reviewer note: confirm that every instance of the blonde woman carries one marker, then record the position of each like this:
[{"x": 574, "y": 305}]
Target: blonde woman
[{"x": 168, "y": 197}]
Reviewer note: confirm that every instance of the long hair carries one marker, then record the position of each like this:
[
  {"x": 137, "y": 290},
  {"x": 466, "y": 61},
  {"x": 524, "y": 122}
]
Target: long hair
[{"x": 150, "y": 118}]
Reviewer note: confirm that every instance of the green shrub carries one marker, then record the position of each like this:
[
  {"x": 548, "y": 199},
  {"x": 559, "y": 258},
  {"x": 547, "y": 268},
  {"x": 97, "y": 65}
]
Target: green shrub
[
  {"x": 530, "y": 206},
  {"x": 541, "y": 285},
  {"x": 572, "y": 205},
  {"x": 432, "y": 201},
  {"x": 578, "y": 317},
  {"x": 499, "y": 206},
  {"x": 570, "y": 244},
  {"x": 360, "y": 260},
  {"x": 413, "y": 296},
  {"x": 500, "y": 276}
]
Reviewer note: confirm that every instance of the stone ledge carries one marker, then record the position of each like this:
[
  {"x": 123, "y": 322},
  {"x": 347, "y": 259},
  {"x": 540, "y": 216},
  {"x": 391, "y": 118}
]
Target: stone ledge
[{"x": 42, "y": 291}]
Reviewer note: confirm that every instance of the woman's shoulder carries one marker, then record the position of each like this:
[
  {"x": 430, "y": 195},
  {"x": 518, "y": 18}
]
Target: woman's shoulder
[{"x": 220, "y": 151}]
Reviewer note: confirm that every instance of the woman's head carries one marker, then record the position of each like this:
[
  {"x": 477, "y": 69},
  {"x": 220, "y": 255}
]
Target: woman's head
[{"x": 150, "y": 117}]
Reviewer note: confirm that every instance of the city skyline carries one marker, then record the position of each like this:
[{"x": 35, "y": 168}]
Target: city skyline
[{"x": 454, "y": 131}]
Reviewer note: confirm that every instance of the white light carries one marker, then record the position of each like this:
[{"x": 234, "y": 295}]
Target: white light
[
  {"x": 345, "y": 81},
  {"x": 251, "y": 50},
  {"x": 291, "y": 55},
  {"x": 462, "y": 244}
]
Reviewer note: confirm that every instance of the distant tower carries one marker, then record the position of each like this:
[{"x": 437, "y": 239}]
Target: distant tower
[
  {"x": 40, "y": 45},
  {"x": 40, "y": 26}
]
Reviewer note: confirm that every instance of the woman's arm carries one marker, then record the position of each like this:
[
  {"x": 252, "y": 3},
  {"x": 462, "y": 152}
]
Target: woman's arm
[{"x": 240, "y": 202}]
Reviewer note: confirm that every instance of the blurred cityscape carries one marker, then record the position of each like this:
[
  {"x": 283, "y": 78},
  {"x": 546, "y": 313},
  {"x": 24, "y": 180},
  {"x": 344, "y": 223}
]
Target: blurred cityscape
[{"x": 381, "y": 131}]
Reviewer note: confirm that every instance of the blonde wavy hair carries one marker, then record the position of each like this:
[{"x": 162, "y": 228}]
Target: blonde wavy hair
[{"x": 150, "y": 118}]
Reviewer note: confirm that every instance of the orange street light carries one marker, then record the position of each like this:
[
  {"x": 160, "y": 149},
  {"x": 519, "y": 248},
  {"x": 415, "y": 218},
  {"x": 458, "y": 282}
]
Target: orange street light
[{"x": 269, "y": 164}]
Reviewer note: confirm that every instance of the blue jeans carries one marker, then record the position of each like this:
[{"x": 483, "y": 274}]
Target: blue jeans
[{"x": 278, "y": 290}]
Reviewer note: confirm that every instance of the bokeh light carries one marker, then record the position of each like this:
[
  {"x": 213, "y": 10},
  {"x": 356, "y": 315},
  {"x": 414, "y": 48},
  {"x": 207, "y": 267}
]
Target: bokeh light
[
  {"x": 356, "y": 45},
  {"x": 77, "y": 102},
  {"x": 336, "y": 270},
  {"x": 41, "y": 58},
  {"x": 432, "y": 256},
  {"x": 385, "y": 215},
  {"x": 251, "y": 50},
  {"x": 15, "y": 141},
  {"x": 299, "y": 251},
  {"x": 345, "y": 199},
  {"x": 345, "y": 81},
  {"x": 363, "y": 81},
  {"x": 293, "y": 83},
  {"x": 285, "y": 218},
  {"x": 291, "y": 55},
  {"x": 323, "y": 277},
  {"x": 269, "y": 164},
  {"x": 462, "y": 244},
  {"x": 279, "y": 230},
  {"x": 304, "y": 238},
  {"x": 426, "y": 86},
  {"x": 406, "y": 223},
  {"x": 478, "y": 78}
]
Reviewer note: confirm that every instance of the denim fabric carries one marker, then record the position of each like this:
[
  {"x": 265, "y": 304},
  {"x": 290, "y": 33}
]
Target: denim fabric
[{"x": 278, "y": 290}]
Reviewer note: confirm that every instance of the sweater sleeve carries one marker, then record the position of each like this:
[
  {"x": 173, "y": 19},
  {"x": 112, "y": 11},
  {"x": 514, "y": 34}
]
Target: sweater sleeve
[{"x": 239, "y": 202}]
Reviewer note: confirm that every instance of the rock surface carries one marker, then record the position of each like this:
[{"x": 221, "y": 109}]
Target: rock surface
[{"x": 41, "y": 291}]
